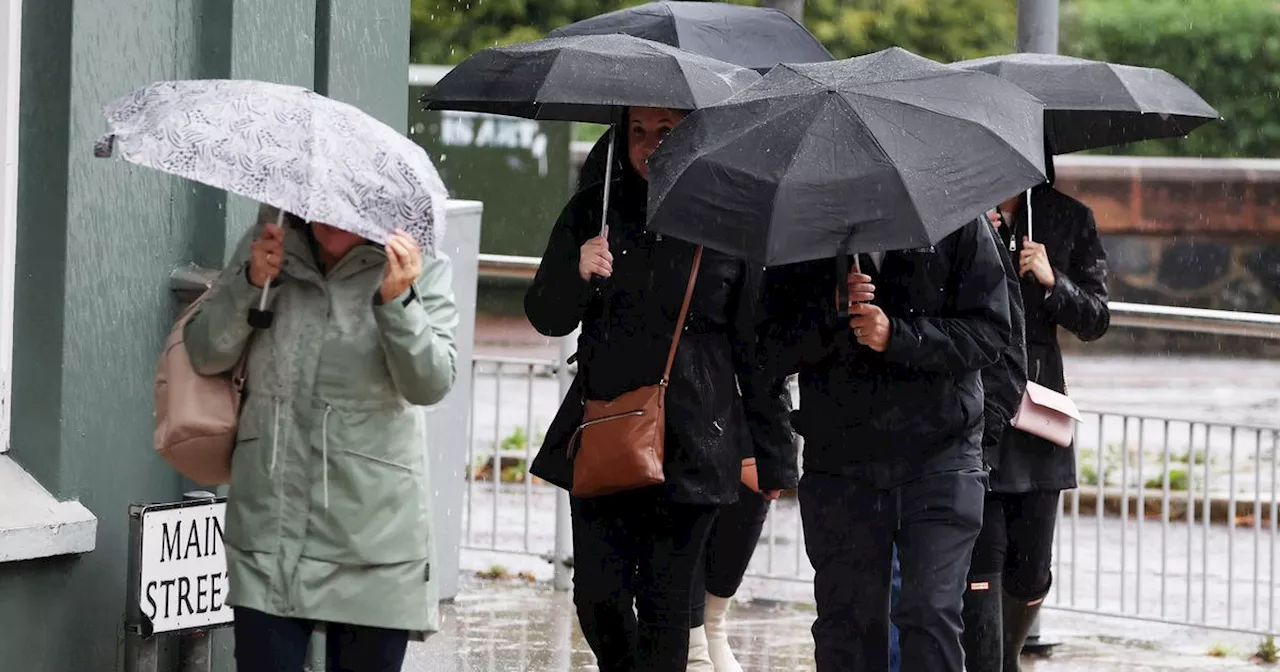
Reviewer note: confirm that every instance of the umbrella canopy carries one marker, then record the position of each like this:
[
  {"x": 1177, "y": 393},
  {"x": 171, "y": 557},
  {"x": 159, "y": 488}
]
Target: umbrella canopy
[
  {"x": 884, "y": 151},
  {"x": 287, "y": 146},
  {"x": 1092, "y": 104},
  {"x": 585, "y": 79},
  {"x": 750, "y": 37}
]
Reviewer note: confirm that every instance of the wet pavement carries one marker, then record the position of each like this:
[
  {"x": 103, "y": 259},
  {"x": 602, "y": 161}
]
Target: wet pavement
[{"x": 512, "y": 625}]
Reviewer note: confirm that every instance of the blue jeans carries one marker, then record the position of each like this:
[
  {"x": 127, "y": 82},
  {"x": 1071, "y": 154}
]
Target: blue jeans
[{"x": 895, "y": 587}]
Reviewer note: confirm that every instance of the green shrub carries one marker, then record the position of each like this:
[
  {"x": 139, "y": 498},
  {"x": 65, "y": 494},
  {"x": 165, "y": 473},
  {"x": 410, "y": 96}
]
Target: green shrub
[{"x": 1228, "y": 51}]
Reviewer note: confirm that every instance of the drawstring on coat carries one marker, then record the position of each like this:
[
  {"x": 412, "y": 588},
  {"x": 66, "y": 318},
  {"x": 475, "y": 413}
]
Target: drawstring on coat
[
  {"x": 324, "y": 453},
  {"x": 275, "y": 436}
]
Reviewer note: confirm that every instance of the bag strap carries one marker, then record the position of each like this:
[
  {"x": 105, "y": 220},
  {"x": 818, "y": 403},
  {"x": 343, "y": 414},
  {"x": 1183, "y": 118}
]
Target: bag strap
[
  {"x": 238, "y": 373},
  {"x": 684, "y": 312},
  {"x": 240, "y": 370}
]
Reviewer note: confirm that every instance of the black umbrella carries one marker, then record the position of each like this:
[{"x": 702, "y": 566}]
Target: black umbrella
[
  {"x": 885, "y": 151},
  {"x": 1092, "y": 104},
  {"x": 751, "y": 37},
  {"x": 585, "y": 78}
]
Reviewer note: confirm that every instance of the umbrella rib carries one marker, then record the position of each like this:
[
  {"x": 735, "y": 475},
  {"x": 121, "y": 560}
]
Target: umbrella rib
[
  {"x": 1124, "y": 86},
  {"x": 877, "y": 96},
  {"x": 896, "y": 171},
  {"x": 791, "y": 164}
]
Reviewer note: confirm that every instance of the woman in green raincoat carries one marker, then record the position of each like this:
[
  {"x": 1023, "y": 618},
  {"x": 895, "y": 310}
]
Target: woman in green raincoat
[{"x": 328, "y": 515}]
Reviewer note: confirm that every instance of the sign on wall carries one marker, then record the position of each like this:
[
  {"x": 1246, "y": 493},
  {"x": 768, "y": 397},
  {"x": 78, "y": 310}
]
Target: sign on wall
[{"x": 184, "y": 566}]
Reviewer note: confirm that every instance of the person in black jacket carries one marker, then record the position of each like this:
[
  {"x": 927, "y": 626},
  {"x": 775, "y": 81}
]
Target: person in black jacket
[
  {"x": 735, "y": 534},
  {"x": 636, "y": 553},
  {"x": 891, "y": 410},
  {"x": 1003, "y": 384},
  {"x": 1064, "y": 284}
]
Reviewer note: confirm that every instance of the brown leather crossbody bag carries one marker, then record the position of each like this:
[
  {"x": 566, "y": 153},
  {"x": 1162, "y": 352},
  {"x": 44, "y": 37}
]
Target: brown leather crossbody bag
[{"x": 620, "y": 444}]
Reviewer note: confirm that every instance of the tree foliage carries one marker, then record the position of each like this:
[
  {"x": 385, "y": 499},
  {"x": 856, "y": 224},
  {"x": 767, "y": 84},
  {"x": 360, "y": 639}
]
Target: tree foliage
[
  {"x": 944, "y": 30},
  {"x": 1229, "y": 52},
  {"x": 446, "y": 31}
]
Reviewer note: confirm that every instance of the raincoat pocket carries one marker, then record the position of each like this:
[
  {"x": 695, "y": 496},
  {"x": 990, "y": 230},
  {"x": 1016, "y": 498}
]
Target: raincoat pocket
[{"x": 376, "y": 516}]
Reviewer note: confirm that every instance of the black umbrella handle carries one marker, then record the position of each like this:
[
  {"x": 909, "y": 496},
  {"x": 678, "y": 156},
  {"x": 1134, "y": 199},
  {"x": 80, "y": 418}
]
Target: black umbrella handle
[
  {"x": 260, "y": 317},
  {"x": 842, "y": 276}
]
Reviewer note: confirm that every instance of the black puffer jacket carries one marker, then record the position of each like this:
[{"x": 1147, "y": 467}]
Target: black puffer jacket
[
  {"x": 628, "y": 323},
  {"x": 1077, "y": 303},
  {"x": 918, "y": 407}
]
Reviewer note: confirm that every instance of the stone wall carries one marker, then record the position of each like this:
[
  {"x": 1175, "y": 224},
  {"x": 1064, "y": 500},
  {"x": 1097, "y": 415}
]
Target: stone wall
[{"x": 1199, "y": 233}]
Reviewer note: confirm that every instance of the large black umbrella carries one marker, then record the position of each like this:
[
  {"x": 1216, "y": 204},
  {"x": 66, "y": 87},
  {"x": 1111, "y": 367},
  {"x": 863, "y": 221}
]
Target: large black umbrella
[
  {"x": 585, "y": 78},
  {"x": 884, "y": 151},
  {"x": 1092, "y": 104},
  {"x": 751, "y": 37}
]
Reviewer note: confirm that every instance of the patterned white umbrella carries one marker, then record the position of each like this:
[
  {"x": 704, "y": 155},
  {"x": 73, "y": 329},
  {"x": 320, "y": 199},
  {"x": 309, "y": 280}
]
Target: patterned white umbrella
[{"x": 286, "y": 146}]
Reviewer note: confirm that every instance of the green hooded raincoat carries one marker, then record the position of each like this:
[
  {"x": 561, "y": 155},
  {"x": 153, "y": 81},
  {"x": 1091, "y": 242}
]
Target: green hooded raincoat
[{"x": 329, "y": 514}]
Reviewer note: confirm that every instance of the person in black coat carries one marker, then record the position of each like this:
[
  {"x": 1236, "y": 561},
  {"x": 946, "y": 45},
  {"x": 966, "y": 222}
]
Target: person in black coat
[
  {"x": 892, "y": 413},
  {"x": 735, "y": 534},
  {"x": 1003, "y": 384},
  {"x": 1063, "y": 270},
  {"x": 641, "y": 549}
]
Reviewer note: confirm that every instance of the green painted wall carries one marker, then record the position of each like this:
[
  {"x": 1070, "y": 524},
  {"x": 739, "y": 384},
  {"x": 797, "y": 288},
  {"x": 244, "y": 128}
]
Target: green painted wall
[{"x": 97, "y": 241}]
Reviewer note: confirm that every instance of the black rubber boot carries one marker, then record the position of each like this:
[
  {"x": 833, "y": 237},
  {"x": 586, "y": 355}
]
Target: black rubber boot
[
  {"x": 983, "y": 636},
  {"x": 1018, "y": 616}
]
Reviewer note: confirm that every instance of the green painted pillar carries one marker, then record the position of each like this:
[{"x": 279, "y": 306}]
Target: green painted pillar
[
  {"x": 97, "y": 241},
  {"x": 362, "y": 56}
]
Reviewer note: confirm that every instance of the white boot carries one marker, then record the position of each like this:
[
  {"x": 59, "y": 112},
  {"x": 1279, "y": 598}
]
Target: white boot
[
  {"x": 699, "y": 661},
  {"x": 718, "y": 635}
]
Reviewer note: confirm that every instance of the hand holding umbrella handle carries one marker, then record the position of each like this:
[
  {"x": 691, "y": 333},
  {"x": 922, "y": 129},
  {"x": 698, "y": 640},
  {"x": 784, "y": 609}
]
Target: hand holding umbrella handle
[
  {"x": 260, "y": 317},
  {"x": 597, "y": 281}
]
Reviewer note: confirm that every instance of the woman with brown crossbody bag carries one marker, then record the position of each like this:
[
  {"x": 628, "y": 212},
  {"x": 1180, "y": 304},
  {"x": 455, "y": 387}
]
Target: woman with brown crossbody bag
[{"x": 650, "y": 439}]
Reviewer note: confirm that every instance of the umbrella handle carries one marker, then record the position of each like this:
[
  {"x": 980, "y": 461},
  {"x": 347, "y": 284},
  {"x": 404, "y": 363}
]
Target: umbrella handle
[
  {"x": 596, "y": 280},
  {"x": 260, "y": 317},
  {"x": 1029, "y": 216},
  {"x": 608, "y": 181}
]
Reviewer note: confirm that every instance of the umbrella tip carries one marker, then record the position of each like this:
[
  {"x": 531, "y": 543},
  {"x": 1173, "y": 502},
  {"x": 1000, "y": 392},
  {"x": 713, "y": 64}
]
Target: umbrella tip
[{"x": 105, "y": 146}]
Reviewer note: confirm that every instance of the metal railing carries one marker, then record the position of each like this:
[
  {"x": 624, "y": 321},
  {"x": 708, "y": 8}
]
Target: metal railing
[
  {"x": 1153, "y": 533},
  {"x": 1168, "y": 506},
  {"x": 1175, "y": 520},
  {"x": 1138, "y": 315}
]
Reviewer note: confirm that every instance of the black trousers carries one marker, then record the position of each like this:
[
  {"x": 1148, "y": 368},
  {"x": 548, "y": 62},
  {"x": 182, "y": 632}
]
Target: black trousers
[
  {"x": 266, "y": 643},
  {"x": 850, "y": 530},
  {"x": 1017, "y": 542},
  {"x": 733, "y": 541},
  {"x": 635, "y": 556}
]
